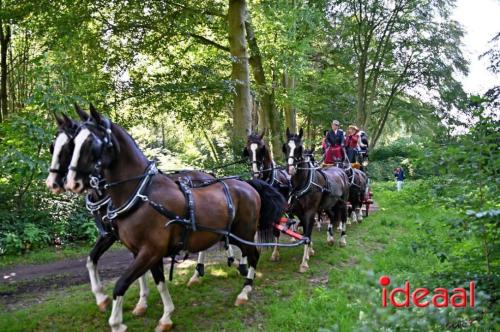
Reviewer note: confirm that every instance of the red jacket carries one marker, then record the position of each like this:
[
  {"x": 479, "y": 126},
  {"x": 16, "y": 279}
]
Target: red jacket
[{"x": 352, "y": 141}]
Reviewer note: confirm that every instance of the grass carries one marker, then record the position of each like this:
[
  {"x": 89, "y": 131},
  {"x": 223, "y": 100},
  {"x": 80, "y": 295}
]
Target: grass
[{"x": 330, "y": 296}]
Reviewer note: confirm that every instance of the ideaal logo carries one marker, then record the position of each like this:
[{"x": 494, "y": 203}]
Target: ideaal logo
[{"x": 440, "y": 296}]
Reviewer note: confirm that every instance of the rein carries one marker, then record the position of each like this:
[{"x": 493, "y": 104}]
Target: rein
[{"x": 240, "y": 161}]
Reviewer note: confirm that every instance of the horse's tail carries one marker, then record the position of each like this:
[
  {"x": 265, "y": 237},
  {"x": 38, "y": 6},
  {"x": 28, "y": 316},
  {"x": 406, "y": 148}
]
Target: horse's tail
[{"x": 271, "y": 208}]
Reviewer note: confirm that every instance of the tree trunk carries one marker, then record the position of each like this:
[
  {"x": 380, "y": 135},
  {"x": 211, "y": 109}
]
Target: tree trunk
[
  {"x": 269, "y": 121},
  {"x": 290, "y": 111},
  {"x": 12, "y": 78},
  {"x": 242, "y": 114},
  {"x": 4, "y": 44}
]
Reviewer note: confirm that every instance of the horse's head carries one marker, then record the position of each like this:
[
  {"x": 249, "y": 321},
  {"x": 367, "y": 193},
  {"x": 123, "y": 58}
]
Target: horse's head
[
  {"x": 61, "y": 150},
  {"x": 255, "y": 150},
  {"x": 95, "y": 148},
  {"x": 293, "y": 150},
  {"x": 309, "y": 155}
]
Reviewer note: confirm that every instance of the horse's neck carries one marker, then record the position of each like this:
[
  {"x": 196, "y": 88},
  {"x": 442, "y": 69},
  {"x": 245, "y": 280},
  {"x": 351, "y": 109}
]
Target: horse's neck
[
  {"x": 130, "y": 162},
  {"x": 301, "y": 178},
  {"x": 267, "y": 163}
]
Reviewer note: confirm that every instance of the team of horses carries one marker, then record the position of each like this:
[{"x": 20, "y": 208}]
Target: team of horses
[{"x": 158, "y": 215}]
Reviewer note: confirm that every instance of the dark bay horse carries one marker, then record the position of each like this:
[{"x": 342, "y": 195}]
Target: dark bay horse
[
  {"x": 264, "y": 168},
  {"x": 62, "y": 150},
  {"x": 243, "y": 207},
  {"x": 358, "y": 186},
  {"x": 314, "y": 190}
]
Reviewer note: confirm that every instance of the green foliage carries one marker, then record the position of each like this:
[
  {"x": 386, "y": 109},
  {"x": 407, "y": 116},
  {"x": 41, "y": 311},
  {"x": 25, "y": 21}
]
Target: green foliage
[
  {"x": 402, "y": 152},
  {"x": 31, "y": 216}
]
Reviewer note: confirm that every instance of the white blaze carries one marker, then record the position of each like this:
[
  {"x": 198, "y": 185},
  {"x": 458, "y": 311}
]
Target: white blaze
[
  {"x": 253, "y": 148},
  {"x": 291, "y": 168},
  {"x": 61, "y": 139},
  {"x": 79, "y": 140}
]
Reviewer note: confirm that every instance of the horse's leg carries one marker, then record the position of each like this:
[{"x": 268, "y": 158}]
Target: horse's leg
[
  {"x": 359, "y": 214},
  {"x": 230, "y": 255},
  {"x": 103, "y": 243},
  {"x": 336, "y": 220},
  {"x": 142, "y": 304},
  {"x": 343, "y": 220},
  {"x": 243, "y": 266},
  {"x": 165, "y": 323},
  {"x": 307, "y": 223},
  {"x": 330, "y": 232},
  {"x": 199, "y": 271},
  {"x": 311, "y": 250},
  {"x": 318, "y": 221},
  {"x": 142, "y": 263},
  {"x": 350, "y": 212},
  {"x": 253, "y": 258},
  {"x": 275, "y": 256}
]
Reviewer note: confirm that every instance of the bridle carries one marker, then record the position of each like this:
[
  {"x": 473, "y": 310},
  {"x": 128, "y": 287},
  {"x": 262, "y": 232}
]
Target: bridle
[{"x": 97, "y": 149}]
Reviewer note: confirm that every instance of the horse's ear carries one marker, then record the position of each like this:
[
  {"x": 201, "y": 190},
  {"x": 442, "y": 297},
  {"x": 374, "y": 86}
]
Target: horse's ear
[
  {"x": 67, "y": 121},
  {"x": 95, "y": 115},
  {"x": 301, "y": 132},
  {"x": 287, "y": 132},
  {"x": 245, "y": 152},
  {"x": 283, "y": 148},
  {"x": 59, "y": 120},
  {"x": 81, "y": 113},
  {"x": 313, "y": 147},
  {"x": 261, "y": 136}
]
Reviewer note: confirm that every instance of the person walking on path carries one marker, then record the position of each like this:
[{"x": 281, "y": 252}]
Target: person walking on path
[{"x": 399, "y": 174}]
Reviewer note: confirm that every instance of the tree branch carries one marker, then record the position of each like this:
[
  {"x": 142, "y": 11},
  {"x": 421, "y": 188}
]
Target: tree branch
[{"x": 207, "y": 41}]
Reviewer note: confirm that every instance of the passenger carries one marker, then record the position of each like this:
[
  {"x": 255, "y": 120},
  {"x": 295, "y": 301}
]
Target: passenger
[
  {"x": 334, "y": 142},
  {"x": 352, "y": 143}
]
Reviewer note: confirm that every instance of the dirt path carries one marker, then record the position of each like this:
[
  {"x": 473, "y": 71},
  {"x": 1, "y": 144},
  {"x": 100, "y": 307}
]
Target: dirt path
[{"x": 20, "y": 280}]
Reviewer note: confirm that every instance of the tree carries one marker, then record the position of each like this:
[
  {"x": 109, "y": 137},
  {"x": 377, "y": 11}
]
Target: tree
[
  {"x": 402, "y": 47},
  {"x": 242, "y": 113}
]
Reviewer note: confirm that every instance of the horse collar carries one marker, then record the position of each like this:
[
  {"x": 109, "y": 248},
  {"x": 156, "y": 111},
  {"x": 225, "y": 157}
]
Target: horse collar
[{"x": 139, "y": 194}]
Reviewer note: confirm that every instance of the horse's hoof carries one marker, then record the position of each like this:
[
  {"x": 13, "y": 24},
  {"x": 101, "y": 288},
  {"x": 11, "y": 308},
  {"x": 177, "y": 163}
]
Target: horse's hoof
[
  {"x": 139, "y": 311},
  {"x": 103, "y": 306},
  {"x": 330, "y": 242},
  {"x": 275, "y": 258},
  {"x": 303, "y": 268},
  {"x": 311, "y": 252},
  {"x": 240, "y": 302},
  {"x": 348, "y": 221},
  {"x": 193, "y": 281},
  {"x": 343, "y": 242},
  {"x": 120, "y": 328},
  {"x": 163, "y": 327}
]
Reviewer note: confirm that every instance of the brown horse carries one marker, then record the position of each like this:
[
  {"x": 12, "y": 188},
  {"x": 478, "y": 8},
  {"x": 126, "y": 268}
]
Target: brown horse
[
  {"x": 264, "y": 168},
  {"x": 225, "y": 205},
  {"x": 314, "y": 190},
  {"x": 97, "y": 203}
]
